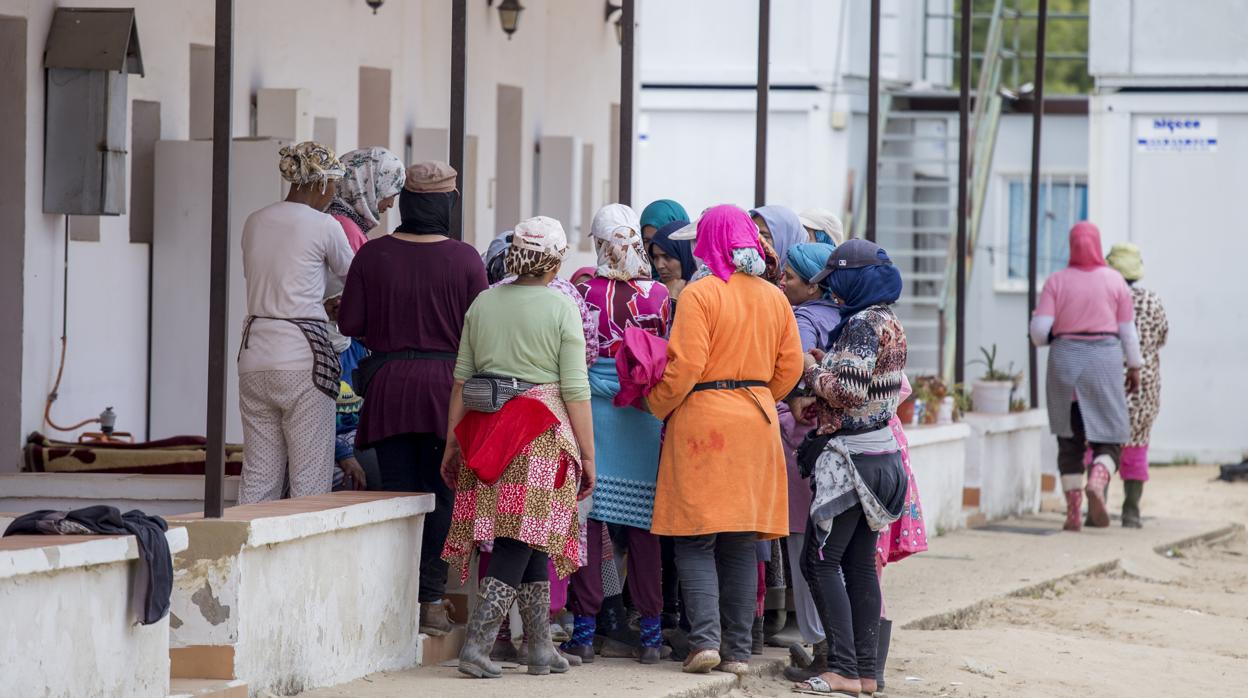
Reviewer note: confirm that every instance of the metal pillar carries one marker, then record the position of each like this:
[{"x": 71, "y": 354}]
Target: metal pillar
[
  {"x": 459, "y": 67},
  {"x": 873, "y": 118},
  {"x": 964, "y": 167},
  {"x": 1037, "y": 118},
  {"x": 628, "y": 43},
  {"x": 760, "y": 110},
  {"x": 219, "y": 285}
]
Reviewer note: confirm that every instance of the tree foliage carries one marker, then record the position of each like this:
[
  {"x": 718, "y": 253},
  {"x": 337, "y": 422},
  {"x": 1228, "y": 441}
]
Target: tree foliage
[{"x": 1064, "y": 36}]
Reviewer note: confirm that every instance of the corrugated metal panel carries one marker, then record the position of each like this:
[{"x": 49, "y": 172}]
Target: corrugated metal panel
[{"x": 94, "y": 39}]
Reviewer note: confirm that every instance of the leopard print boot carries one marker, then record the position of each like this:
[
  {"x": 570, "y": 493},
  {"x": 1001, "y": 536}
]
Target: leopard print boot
[
  {"x": 494, "y": 599},
  {"x": 534, "y": 600}
]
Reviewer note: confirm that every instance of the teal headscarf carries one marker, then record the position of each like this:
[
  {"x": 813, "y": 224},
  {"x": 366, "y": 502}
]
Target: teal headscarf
[
  {"x": 662, "y": 212},
  {"x": 808, "y": 259}
]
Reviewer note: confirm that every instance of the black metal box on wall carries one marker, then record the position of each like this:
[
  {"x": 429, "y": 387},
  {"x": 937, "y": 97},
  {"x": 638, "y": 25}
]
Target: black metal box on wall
[{"x": 89, "y": 56}]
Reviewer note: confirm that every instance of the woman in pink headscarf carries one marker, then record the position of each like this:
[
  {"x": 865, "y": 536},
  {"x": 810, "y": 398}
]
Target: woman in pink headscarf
[
  {"x": 1086, "y": 314},
  {"x": 734, "y": 352}
]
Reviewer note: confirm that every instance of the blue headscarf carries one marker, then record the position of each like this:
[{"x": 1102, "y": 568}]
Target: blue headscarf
[
  {"x": 786, "y": 229},
  {"x": 677, "y": 249},
  {"x": 808, "y": 259},
  {"x": 862, "y": 276},
  {"x": 662, "y": 212}
]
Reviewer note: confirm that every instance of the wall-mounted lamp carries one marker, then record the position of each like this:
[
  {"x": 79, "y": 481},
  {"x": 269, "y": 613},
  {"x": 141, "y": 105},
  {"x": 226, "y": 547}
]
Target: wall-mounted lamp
[
  {"x": 375, "y": 4},
  {"x": 508, "y": 15},
  {"x": 619, "y": 21}
]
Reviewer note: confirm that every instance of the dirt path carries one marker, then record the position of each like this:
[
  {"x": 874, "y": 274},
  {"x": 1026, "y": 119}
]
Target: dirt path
[{"x": 1173, "y": 625}]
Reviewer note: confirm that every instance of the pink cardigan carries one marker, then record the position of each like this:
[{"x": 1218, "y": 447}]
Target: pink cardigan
[{"x": 355, "y": 237}]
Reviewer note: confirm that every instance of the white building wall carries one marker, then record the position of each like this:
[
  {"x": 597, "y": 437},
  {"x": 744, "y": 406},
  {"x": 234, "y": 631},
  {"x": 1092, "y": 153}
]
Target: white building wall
[
  {"x": 1184, "y": 212},
  {"x": 1164, "y": 43},
  {"x": 316, "y": 45}
]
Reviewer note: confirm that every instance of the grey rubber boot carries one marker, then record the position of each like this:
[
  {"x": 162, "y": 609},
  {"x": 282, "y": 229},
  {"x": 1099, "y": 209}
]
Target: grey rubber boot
[
  {"x": 494, "y": 599},
  {"x": 883, "y": 640},
  {"x": 534, "y": 599},
  {"x": 1133, "y": 490}
]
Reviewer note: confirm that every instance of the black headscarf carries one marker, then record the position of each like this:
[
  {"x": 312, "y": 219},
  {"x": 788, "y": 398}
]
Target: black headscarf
[
  {"x": 426, "y": 213},
  {"x": 678, "y": 249}
]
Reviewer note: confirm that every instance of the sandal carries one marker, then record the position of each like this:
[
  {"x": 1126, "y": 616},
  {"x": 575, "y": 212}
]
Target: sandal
[{"x": 817, "y": 686}]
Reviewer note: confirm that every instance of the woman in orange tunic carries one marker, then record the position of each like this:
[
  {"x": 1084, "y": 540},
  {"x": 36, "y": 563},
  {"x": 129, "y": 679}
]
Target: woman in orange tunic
[{"x": 734, "y": 352}]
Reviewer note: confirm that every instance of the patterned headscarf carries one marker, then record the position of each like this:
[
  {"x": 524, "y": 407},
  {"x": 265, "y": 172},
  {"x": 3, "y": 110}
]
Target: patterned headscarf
[
  {"x": 728, "y": 241},
  {"x": 372, "y": 174},
  {"x": 308, "y": 163},
  {"x": 538, "y": 245},
  {"x": 617, "y": 238}
]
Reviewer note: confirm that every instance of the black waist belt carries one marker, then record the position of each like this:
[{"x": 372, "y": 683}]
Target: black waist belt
[
  {"x": 409, "y": 354},
  {"x": 728, "y": 385},
  {"x": 1087, "y": 335},
  {"x": 733, "y": 385},
  {"x": 371, "y": 364}
]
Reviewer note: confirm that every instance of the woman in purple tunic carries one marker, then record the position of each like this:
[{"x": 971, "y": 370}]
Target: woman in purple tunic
[{"x": 405, "y": 299}]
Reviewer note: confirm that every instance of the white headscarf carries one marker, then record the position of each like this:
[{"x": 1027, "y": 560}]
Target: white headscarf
[
  {"x": 825, "y": 220},
  {"x": 616, "y": 230},
  {"x": 372, "y": 174}
]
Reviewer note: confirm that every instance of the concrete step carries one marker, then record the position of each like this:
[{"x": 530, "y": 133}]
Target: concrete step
[
  {"x": 207, "y": 688},
  {"x": 435, "y": 650}
]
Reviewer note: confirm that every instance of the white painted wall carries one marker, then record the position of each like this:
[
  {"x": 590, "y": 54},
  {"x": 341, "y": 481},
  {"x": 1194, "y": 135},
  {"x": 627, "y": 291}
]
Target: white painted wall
[
  {"x": 306, "y": 598},
  {"x": 697, "y": 147},
  {"x": 564, "y": 56},
  {"x": 1159, "y": 42},
  {"x": 75, "y": 596},
  {"x": 1003, "y": 460},
  {"x": 937, "y": 458}
]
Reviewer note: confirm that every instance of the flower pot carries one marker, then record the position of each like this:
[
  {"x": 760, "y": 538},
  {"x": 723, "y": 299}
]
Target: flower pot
[
  {"x": 905, "y": 411},
  {"x": 992, "y": 397}
]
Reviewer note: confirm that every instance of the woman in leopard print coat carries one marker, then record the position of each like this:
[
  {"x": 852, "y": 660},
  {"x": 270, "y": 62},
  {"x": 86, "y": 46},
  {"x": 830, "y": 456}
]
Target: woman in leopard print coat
[{"x": 1151, "y": 324}]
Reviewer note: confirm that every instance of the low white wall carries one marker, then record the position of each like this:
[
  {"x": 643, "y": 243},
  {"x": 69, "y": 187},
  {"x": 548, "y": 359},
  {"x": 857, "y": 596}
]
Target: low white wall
[
  {"x": 305, "y": 598},
  {"x": 937, "y": 457},
  {"x": 159, "y": 495},
  {"x": 70, "y": 626},
  {"x": 1003, "y": 459}
]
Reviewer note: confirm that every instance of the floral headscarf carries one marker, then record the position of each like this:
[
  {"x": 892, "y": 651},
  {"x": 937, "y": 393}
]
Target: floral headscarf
[
  {"x": 617, "y": 238},
  {"x": 308, "y": 163},
  {"x": 538, "y": 245},
  {"x": 372, "y": 174}
]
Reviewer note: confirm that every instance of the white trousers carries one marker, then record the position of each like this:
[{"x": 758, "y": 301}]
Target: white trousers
[
  {"x": 287, "y": 424},
  {"x": 807, "y": 615}
]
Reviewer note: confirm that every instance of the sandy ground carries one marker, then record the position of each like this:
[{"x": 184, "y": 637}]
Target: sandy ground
[{"x": 1176, "y": 625}]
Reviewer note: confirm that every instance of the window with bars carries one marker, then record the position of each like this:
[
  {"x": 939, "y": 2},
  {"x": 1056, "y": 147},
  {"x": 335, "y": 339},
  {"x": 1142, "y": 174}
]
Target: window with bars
[{"x": 1063, "y": 202}]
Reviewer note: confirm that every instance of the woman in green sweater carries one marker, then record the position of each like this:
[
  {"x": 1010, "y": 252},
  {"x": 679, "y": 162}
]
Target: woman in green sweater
[{"x": 519, "y": 472}]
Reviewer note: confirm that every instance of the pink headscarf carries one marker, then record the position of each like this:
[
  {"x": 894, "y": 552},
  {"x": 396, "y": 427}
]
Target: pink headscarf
[
  {"x": 721, "y": 230},
  {"x": 1085, "y": 246}
]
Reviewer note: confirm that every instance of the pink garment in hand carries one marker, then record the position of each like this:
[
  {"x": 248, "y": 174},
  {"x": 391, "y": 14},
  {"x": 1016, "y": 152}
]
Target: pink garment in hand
[
  {"x": 355, "y": 237},
  {"x": 639, "y": 364},
  {"x": 721, "y": 230},
  {"x": 907, "y": 535}
]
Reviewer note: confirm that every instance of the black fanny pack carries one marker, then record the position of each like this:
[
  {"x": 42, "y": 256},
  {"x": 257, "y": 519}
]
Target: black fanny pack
[
  {"x": 809, "y": 450},
  {"x": 371, "y": 364}
]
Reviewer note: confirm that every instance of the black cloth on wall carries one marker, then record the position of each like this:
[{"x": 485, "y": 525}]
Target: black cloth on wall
[{"x": 154, "y": 584}]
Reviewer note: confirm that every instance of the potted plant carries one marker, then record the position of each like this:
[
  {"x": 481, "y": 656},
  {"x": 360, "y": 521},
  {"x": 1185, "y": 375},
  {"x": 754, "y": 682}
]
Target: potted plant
[{"x": 992, "y": 392}]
